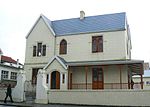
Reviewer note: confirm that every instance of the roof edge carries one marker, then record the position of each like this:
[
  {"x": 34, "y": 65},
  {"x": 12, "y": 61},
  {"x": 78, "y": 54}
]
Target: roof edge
[{"x": 45, "y": 21}]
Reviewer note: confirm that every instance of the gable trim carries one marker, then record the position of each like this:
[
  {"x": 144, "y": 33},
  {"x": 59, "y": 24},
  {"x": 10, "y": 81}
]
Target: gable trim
[
  {"x": 43, "y": 17},
  {"x": 58, "y": 59}
]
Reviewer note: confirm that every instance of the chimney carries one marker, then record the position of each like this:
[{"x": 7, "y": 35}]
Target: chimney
[
  {"x": 18, "y": 63},
  {"x": 82, "y": 15}
]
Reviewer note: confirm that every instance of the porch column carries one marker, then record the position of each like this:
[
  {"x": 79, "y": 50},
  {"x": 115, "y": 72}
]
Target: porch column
[
  {"x": 120, "y": 66},
  {"x": 141, "y": 76},
  {"x": 68, "y": 77},
  {"x": 86, "y": 71}
]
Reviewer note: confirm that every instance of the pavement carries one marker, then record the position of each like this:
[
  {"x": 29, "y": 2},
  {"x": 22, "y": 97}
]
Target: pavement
[{"x": 31, "y": 104}]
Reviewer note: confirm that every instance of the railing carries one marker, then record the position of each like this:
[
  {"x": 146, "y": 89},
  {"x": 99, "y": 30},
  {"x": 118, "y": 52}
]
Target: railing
[{"x": 136, "y": 85}]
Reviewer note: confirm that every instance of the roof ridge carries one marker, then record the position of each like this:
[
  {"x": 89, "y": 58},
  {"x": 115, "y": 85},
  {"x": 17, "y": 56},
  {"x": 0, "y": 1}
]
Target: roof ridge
[{"x": 89, "y": 16}]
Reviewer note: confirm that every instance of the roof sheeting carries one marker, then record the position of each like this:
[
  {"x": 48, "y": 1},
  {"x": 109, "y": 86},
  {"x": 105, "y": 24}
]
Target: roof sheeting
[{"x": 108, "y": 22}]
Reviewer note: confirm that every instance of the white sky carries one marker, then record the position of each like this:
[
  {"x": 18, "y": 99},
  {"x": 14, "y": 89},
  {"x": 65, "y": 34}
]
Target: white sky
[{"x": 18, "y": 16}]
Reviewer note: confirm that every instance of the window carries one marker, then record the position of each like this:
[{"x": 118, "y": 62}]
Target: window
[
  {"x": 47, "y": 78},
  {"x": 13, "y": 75},
  {"x": 4, "y": 74},
  {"x": 63, "y": 47},
  {"x": 44, "y": 50},
  {"x": 63, "y": 78},
  {"x": 97, "y": 44},
  {"x": 39, "y": 50},
  {"x": 34, "y": 50}
]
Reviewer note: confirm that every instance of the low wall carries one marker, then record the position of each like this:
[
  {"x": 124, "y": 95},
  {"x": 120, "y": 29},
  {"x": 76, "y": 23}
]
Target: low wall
[
  {"x": 101, "y": 97},
  {"x": 2, "y": 93}
]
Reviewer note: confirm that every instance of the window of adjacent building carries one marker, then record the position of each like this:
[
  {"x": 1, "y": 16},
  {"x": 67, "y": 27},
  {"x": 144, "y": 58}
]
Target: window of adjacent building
[
  {"x": 34, "y": 75},
  {"x": 63, "y": 47},
  {"x": 39, "y": 50},
  {"x": 4, "y": 74},
  {"x": 147, "y": 82},
  {"x": 13, "y": 75},
  {"x": 97, "y": 44},
  {"x": 63, "y": 78}
]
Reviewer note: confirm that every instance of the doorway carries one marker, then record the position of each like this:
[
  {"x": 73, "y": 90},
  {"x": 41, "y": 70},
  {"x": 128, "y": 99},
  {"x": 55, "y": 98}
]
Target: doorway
[
  {"x": 55, "y": 80},
  {"x": 97, "y": 78}
]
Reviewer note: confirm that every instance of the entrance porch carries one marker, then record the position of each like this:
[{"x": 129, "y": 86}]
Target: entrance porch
[{"x": 110, "y": 75}]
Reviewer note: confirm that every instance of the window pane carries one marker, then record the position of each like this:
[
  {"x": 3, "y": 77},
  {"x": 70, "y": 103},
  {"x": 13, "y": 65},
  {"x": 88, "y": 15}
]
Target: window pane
[
  {"x": 34, "y": 50},
  {"x": 39, "y": 49},
  {"x": 63, "y": 47},
  {"x": 44, "y": 50},
  {"x": 97, "y": 44}
]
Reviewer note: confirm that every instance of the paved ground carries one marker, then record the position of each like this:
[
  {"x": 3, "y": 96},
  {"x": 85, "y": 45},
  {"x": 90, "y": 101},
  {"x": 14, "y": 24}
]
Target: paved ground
[{"x": 9, "y": 104}]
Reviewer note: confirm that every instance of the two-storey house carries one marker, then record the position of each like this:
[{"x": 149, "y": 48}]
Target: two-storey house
[
  {"x": 91, "y": 52},
  {"x": 9, "y": 69}
]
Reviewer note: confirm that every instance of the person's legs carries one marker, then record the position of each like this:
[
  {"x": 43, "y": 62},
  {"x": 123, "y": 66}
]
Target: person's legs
[
  {"x": 5, "y": 98},
  {"x": 11, "y": 98}
]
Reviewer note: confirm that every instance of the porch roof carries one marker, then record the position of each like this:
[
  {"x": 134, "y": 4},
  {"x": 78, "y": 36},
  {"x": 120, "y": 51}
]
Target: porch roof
[
  {"x": 136, "y": 66},
  {"x": 105, "y": 62}
]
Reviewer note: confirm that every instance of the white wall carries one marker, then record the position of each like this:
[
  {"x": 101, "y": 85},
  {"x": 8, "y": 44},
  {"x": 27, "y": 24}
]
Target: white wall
[
  {"x": 79, "y": 47},
  {"x": 56, "y": 66},
  {"x": 101, "y": 97},
  {"x": 40, "y": 33}
]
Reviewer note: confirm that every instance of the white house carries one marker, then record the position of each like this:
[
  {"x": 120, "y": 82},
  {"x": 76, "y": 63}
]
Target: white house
[
  {"x": 84, "y": 53},
  {"x": 8, "y": 70}
]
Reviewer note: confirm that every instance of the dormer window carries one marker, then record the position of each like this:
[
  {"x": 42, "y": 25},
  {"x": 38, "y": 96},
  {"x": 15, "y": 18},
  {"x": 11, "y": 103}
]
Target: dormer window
[
  {"x": 39, "y": 50},
  {"x": 63, "y": 47}
]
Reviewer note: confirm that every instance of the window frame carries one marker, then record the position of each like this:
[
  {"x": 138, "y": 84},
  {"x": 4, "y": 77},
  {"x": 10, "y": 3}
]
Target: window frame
[
  {"x": 63, "y": 47},
  {"x": 97, "y": 44}
]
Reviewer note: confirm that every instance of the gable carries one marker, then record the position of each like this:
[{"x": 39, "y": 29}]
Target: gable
[
  {"x": 55, "y": 64},
  {"x": 41, "y": 25}
]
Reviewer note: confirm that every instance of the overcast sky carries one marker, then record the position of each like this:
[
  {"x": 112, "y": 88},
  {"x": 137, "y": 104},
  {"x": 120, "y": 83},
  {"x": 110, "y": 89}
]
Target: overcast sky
[{"x": 18, "y": 16}]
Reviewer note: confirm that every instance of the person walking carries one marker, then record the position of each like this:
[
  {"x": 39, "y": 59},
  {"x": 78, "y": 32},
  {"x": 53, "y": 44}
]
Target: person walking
[{"x": 8, "y": 93}]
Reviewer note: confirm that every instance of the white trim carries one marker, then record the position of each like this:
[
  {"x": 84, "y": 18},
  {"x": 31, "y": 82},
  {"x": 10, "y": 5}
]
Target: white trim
[
  {"x": 45, "y": 20},
  {"x": 57, "y": 58},
  {"x": 43, "y": 17}
]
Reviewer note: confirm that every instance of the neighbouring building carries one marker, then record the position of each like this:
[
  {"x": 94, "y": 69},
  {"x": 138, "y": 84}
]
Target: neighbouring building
[
  {"x": 146, "y": 80},
  {"x": 8, "y": 70},
  {"x": 91, "y": 52}
]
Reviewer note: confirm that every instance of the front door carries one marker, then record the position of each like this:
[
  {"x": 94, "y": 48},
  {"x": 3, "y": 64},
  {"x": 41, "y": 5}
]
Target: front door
[
  {"x": 55, "y": 80},
  {"x": 97, "y": 74}
]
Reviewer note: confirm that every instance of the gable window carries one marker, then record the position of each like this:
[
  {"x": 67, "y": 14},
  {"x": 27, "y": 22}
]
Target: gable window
[
  {"x": 44, "y": 50},
  {"x": 34, "y": 50},
  {"x": 63, "y": 47},
  {"x": 39, "y": 50},
  {"x": 97, "y": 44}
]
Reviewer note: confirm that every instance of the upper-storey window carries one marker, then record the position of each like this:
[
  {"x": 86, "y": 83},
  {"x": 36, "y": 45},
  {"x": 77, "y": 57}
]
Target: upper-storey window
[
  {"x": 97, "y": 44},
  {"x": 63, "y": 47},
  {"x": 39, "y": 50}
]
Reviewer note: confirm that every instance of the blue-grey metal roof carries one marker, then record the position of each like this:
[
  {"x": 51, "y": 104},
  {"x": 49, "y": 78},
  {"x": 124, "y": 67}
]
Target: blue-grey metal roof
[{"x": 99, "y": 23}]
